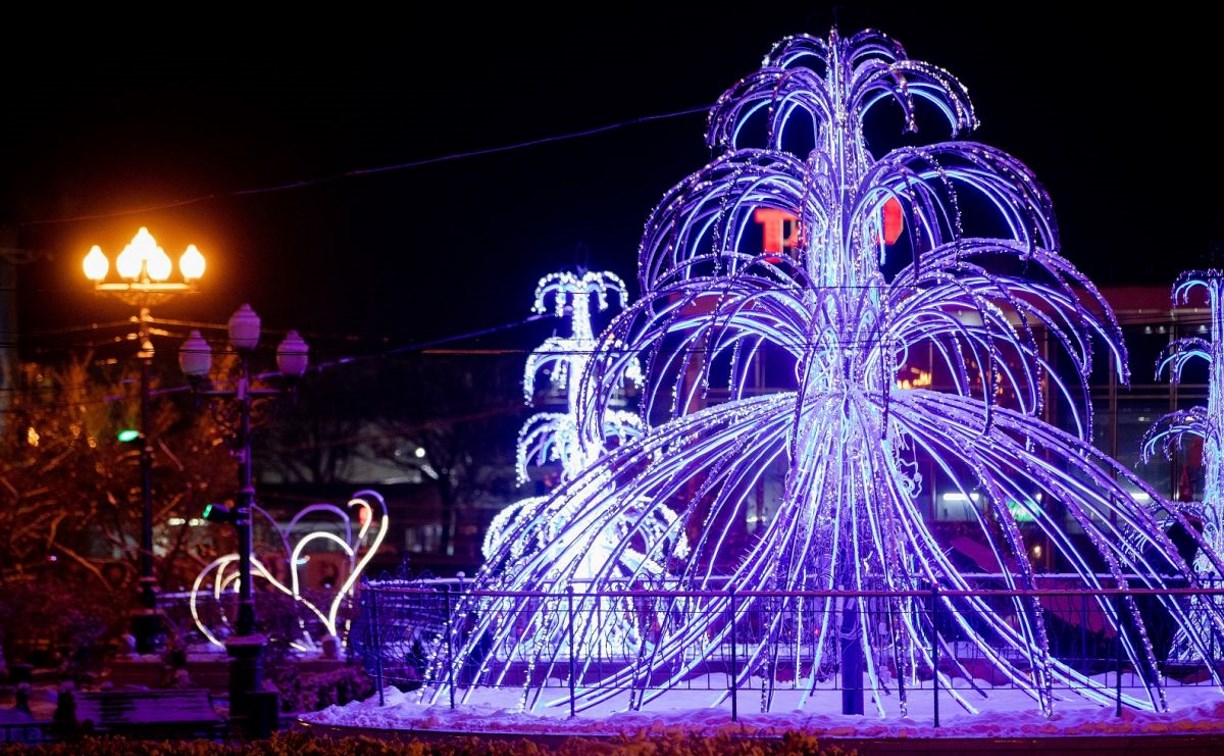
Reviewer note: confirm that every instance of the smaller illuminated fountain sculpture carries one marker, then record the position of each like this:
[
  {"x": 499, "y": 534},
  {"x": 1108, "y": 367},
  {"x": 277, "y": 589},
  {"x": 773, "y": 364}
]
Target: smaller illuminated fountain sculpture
[
  {"x": 313, "y": 529},
  {"x": 555, "y": 437},
  {"x": 943, "y": 256},
  {"x": 1169, "y": 432}
]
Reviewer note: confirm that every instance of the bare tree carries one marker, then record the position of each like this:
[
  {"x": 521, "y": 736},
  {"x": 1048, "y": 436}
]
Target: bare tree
[
  {"x": 71, "y": 498},
  {"x": 445, "y": 419}
]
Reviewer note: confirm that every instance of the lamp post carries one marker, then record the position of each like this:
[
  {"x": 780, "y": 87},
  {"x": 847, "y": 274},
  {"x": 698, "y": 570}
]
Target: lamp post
[
  {"x": 145, "y": 269},
  {"x": 245, "y": 645}
]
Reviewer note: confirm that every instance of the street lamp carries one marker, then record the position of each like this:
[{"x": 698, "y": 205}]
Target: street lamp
[
  {"x": 145, "y": 269},
  {"x": 245, "y": 644}
]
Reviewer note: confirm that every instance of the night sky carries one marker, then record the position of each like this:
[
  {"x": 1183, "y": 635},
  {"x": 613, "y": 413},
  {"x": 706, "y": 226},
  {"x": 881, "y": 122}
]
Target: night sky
[{"x": 407, "y": 178}]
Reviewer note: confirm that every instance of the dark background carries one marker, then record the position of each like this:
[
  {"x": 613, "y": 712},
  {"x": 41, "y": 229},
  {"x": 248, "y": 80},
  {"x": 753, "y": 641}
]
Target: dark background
[{"x": 405, "y": 177}]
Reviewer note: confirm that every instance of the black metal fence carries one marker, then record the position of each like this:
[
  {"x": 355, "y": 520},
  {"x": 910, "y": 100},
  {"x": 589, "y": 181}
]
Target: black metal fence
[{"x": 402, "y": 626}]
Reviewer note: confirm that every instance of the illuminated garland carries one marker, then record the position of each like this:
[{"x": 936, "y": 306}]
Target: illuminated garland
[
  {"x": 835, "y": 308},
  {"x": 358, "y": 544}
]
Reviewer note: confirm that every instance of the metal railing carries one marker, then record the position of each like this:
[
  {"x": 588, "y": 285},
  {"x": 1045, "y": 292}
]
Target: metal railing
[{"x": 404, "y": 627}]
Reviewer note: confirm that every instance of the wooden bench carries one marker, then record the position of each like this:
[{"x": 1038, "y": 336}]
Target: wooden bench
[
  {"x": 150, "y": 714},
  {"x": 25, "y": 732}
]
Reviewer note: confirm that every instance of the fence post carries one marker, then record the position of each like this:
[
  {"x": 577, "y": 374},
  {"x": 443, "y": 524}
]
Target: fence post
[
  {"x": 734, "y": 660},
  {"x": 935, "y": 650},
  {"x": 449, "y": 629},
  {"x": 898, "y": 659},
  {"x": 1118, "y": 656},
  {"x": 1084, "y": 631},
  {"x": 1211, "y": 650},
  {"x": 1212, "y": 583},
  {"x": 375, "y": 639},
  {"x": 569, "y": 598}
]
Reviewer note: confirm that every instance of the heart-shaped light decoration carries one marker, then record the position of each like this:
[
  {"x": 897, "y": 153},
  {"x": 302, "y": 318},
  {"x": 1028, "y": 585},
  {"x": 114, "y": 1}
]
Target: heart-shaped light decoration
[{"x": 221, "y": 575}]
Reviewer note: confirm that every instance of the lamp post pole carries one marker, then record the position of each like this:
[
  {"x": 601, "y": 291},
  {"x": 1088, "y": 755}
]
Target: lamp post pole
[
  {"x": 246, "y": 502},
  {"x": 245, "y": 645},
  {"x": 145, "y": 622},
  {"x": 144, "y": 268}
]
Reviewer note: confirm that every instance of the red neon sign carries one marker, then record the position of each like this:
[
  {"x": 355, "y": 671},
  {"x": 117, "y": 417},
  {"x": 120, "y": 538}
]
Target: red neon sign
[
  {"x": 774, "y": 226},
  {"x": 893, "y": 220},
  {"x": 773, "y": 222}
]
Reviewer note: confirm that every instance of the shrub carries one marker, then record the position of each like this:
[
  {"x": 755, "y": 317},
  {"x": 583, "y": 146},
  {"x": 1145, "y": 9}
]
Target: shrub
[
  {"x": 318, "y": 690},
  {"x": 56, "y": 621},
  {"x": 305, "y": 743}
]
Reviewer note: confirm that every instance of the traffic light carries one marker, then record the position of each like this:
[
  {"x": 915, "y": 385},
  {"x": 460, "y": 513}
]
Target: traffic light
[
  {"x": 221, "y": 513},
  {"x": 128, "y": 435}
]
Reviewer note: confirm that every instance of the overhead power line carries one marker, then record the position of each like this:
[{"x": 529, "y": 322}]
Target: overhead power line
[{"x": 362, "y": 172}]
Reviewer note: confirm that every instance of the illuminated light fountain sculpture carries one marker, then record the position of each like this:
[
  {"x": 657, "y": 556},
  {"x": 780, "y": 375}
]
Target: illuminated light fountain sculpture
[
  {"x": 556, "y": 437},
  {"x": 553, "y": 437},
  {"x": 1204, "y": 422},
  {"x": 969, "y": 278}
]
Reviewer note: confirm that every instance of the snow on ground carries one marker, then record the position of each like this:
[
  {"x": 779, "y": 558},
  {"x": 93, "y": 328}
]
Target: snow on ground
[{"x": 1005, "y": 713}]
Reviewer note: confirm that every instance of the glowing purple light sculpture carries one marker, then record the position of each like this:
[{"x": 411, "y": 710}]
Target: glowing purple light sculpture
[
  {"x": 554, "y": 436},
  {"x": 549, "y": 437},
  {"x": 1207, "y": 423},
  {"x": 775, "y": 377}
]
